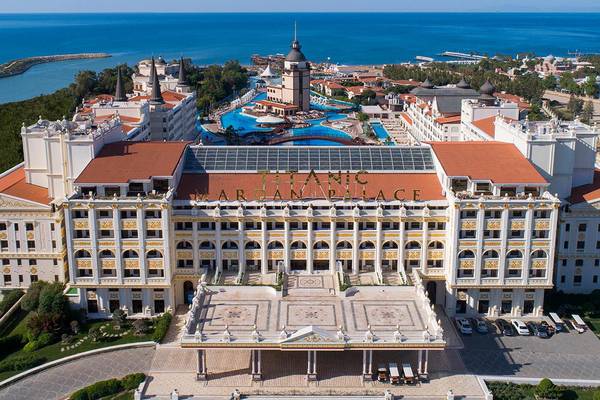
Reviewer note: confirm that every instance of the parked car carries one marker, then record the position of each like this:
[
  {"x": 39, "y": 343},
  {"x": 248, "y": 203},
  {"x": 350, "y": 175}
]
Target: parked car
[
  {"x": 505, "y": 328},
  {"x": 520, "y": 327},
  {"x": 538, "y": 330},
  {"x": 481, "y": 326},
  {"x": 558, "y": 322},
  {"x": 549, "y": 328},
  {"x": 464, "y": 326}
]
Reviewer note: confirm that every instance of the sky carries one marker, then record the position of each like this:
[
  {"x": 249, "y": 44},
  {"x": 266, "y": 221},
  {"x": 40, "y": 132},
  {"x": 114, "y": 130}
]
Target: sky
[{"x": 37, "y": 6}]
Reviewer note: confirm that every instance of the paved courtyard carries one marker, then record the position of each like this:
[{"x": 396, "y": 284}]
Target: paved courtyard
[
  {"x": 565, "y": 356},
  {"x": 60, "y": 381}
]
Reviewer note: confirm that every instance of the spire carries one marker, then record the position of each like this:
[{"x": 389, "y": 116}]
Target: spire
[
  {"x": 155, "y": 96},
  {"x": 120, "y": 89},
  {"x": 295, "y": 31},
  {"x": 181, "y": 80},
  {"x": 463, "y": 84},
  {"x": 152, "y": 72},
  {"x": 427, "y": 84}
]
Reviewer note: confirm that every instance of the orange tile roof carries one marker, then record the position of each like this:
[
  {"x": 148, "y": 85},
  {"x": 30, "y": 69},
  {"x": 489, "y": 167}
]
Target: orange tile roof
[
  {"x": 404, "y": 82},
  {"x": 455, "y": 119},
  {"x": 122, "y": 162},
  {"x": 125, "y": 118},
  {"x": 213, "y": 186},
  {"x": 138, "y": 98},
  {"x": 589, "y": 193},
  {"x": 521, "y": 102},
  {"x": 487, "y": 125},
  {"x": 169, "y": 95},
  {"x": 481, "y": 160},
  {"x": 14, "y": 184}
]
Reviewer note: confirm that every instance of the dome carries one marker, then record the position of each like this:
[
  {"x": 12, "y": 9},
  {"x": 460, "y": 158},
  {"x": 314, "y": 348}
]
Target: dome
[
  {"x": 463, "y": 84},
  {"x": 427, "y": 84},
  {"x": 487, "y": 88},
  {"x": 295, "y": 55},
  {"x": 160, "y": 60}
]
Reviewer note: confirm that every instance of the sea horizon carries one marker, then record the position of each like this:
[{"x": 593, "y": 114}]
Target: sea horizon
[{"x": 346, "y": 38}]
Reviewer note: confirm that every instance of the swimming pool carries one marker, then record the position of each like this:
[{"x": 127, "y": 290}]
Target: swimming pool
[{"x": 381, "y": 133}]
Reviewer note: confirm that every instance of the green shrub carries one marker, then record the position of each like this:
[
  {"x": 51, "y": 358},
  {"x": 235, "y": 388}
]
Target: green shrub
[
  {"x": 21, "y": 363},
  {"x": 10, "y": 344},
  {"x": 596, "y": 395},
  {"x": 161, "y": 327},
  {"x": 9, "y": 300},
  {"x": 546, "y": 389},
  {"x": 131, "y": 382},
  {"x": 510, "y": 391},
  {"x": 42, "y": 341},
  {"x": 32, "y": 297}
]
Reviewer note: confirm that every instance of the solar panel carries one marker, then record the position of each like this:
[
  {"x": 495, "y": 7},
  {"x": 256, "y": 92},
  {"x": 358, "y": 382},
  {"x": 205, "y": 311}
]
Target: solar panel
[{"x": 321, "y": 159}]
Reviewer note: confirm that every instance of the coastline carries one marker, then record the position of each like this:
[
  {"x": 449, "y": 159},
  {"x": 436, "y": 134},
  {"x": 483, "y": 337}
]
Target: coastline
[{"x": 22, "y": 65}]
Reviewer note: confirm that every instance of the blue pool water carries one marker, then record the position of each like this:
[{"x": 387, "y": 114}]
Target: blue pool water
[{"x": 381, "y": 133}]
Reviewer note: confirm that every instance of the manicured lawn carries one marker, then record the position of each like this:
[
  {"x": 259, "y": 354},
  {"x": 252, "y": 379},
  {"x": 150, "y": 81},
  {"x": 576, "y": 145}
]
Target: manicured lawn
[
  {"x": 510, "y": 391},
  {"x": 80, "y": 342},
  {"x": 594, "y": 324}
]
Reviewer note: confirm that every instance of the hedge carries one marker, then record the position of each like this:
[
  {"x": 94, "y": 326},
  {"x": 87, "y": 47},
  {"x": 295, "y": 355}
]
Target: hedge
[
  {"x": 108, "y": 388},
  {"x": 10, "y": 344},
  {"x": 161, "y": 327},
  {"x": 21, "y": 363}
]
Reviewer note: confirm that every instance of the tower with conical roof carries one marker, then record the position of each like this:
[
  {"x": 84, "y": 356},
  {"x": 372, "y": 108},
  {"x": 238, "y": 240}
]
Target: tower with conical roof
[
  {"x": 486, "y": 93},
  {"x": 295, "y": 87},
  {"x": 181, "y": 78},
  {"x": 155, "y": 95},
  {"x": 152, "y": 72},
  {"x": 120, "y": 89}
]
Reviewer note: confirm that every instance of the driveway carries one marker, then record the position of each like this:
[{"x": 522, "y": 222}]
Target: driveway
[
  {"x": 565, "y": 355},
  {"x": 62, "y": 380}
]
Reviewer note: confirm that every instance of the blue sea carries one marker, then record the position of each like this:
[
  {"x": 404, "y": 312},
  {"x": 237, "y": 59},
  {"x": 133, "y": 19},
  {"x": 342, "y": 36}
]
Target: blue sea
[{"x": 345, "y": 38}]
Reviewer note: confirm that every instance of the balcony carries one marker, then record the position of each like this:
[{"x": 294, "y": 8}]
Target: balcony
[
  {"x": 343, "y": 254},
  {"x": 154, "y": 223},
  {"x": 321, "y": 254},
  {"x": 366, "y": 254},
  {"x": 435, "y": 254},
  {"x": 515, "y": 263},
  {"x": 206, "y": 254},
  {"x": 390, "y": 254},
  {"x": 517, "y": 224},
  {"x": 129, "y": 223},
  {"x": 105, "y": 223},
  {"x": 253, "y": 254},
  {"x": 490, "y": 263},
  {"x": 83, "y": 263},
  {"x": 468, "y": 224},
  {"x": 542, "y": 224},
  {"x": 467, "y": 264},
  {"x": 131, "y": 263},
  {"x": 108, "y": 263},
  {"x": 539, "y": 263},
  {"x": 230, "y": 254},
  {"x": 298, "y": 254},
  {"x": 155, "y": 263},
  {"x": 184, "y": 254},
  {"x": 275, "y": 254},
  {"x": 413, "y": 254},
  {"x": 493, "y": 224}
]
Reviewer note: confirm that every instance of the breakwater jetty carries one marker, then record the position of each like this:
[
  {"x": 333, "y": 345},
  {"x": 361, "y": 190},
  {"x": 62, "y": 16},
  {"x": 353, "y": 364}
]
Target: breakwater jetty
[{"x": 17, "y": 67}]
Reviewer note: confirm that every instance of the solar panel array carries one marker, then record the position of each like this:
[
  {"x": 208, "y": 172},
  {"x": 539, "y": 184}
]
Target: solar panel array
[{"x": 296, "y": 158}]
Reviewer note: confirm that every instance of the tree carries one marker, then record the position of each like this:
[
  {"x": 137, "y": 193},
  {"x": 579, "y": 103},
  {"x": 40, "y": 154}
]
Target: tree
[
  {"x": 590, "y": 87},
  {"x": 362, "y": 117},
  {"x": 574, "y": 105},
  {"x": 546, "y": 389},
  {"x": 53, "y": 301},
  {"x": 588, "y": 112},
  {"x": 231, "y": 135},
  {"x": 567, "y": 82},
  {"x": 549, "y": 82},
  {"x": 31, "y": 299}
]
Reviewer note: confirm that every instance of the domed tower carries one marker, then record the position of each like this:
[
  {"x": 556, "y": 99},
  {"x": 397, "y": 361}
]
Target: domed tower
[
  {"x": 295, "y": 88},
  {"x": 486, "y": 93}
]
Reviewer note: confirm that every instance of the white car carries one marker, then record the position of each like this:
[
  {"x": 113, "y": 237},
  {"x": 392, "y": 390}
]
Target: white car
[
  {"x": 520, "y": 327},
  {"x": 464, "y": 326}
]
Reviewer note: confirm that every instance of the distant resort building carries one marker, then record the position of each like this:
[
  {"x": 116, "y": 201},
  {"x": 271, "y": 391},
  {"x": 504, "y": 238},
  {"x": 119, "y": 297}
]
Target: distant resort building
[{"x": 293, "y": 94}]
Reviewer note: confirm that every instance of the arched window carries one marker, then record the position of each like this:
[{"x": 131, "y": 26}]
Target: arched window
[
  {"x": 466, "y": 254},
  {"x": 82, "y": 254},
  {"x": 539, "y": 254},
  {"x": 390, "y": 245},
  {"x": 106, "y": 254},
  {"x": 321, "y": 245},
  {"x": 130, "y": 254},
  {"x": 229, "y": 245},
  {"x": 184, "y": 245},
  {"x": 490, "y": 254},
  {"x": 436, "y": 245},
  {"x": 154, "y": 254},
  {"x": 368, "y": 245},
  {"x": 298, "y": 245},
  {"x": 275, "y": 245},
  {"x": 345, "y": 245},
  {"x": 206, "y": 245},
  {"x": 514, "y": 254},
  {"x": 252, "y": 246},
  {"x": 412, "y": 245}
]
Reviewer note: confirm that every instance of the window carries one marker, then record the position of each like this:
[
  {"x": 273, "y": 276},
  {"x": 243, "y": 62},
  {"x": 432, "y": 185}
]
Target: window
[
  {"x": 29, "y": 226},
  {"x": 566, "y": 244},
  {"x": 252, "y": 225},
  {"x": 136, "y": 306},
  {"x": 5, "y": 261},
  {"x": 32, "y": 261},
  {"x": 113, "y": 305},
  {"x": 517, "y": 234},
  {"x": 106, "y": 233},
  {"x": 129, "y": 234},
  {"x": 206, "y": 226},
  {"x": 436, "y": 226},
  {"x": 152, "y": 214},
  {"x": 491, "y": 234},
  {"x": 562, "y": 279},
  {"x": 467, "y": 234},
  {"x": 81, "y": 234},
  {"x": 597, "y": 262},
  {"x": 275, "y": 226},
  {"x": 159, "y": 306},
  {"x": 564, "y": 262},
  {"x": 390, "y": 226},
  {"x": 7, "y": 279},
  {"x": 506, "y": 306},
  {"x": 369, "y": 226},
  {"x": 104, "y": 214},
  {"x": 16, "y": 227},
  {"x": 92, "y": 306},
  {"x": 4, "y": 245},
  {"x": 582, "y": 227},
  {"x": 517, "y": 214},
  {"x": 186, "y": 226},
  {"x": 154, "y": 233},
  {"x": 34, "y": 278},
  {"x": 541, "y": 214},
  {"x": 78, "y": 214},
  {"x": 540, "y": 234},
  {"x": 468, "y": 214},
  {"x": 595, "y": 279},
  {"x": 579, "y": 263},
  {"x": 568, "y": 227},
  {"x": 54, "y": 244},
  {"x": 598, "y": 244},
  {"x": 344, "y": 225},
  {"x": 495, "y": 214},
  {"x": 2, "y": 226},
  {"x": 225, "y": 226},
  {"x": 128, "y": 214},
  {"x": 577, "y": 280},
  {"x": 580, "y": 244},
  {"x": 111, "y": 191}
]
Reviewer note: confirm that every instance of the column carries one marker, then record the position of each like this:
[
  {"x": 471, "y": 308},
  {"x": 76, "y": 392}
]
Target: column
[
  {"x": 256, "y": 362},
  {"x": 195, "y": 244},
  {"x": 378, "y": 234},
  {"x": 420, "y": 362},
  {"x": 218, "y": 251},
  {"x": 118, "y": 247},
  {"x": 332, "y": 246},
  {"x": 241, "y": 246},
  {"x": 479, "y": 240},
  {"x": 167, "y": 250},
  {"x": 527, "y": 253},
  {"x": 139, "y": 212},
  {"x": 311, "y": 372},
  {"x": 69, "y": 235},
  {"x": 355, "y": 244},
  {"x": 93, "y": 241},
  {"x": 401, "y": 248},
  {"x": 201, "y": 373},
  {"x": 426, "y": 365},
  {"x": 286, "y": 245},
  {"x": 309, "y": 247},
  {"x": 504, "y": 227},
  {"x": 424, "y": 245},
  {"x": 264, "y": 259}
]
